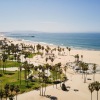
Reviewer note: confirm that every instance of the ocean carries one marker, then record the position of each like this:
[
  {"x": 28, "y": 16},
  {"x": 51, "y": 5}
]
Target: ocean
[{"x": 89, "y": 41}]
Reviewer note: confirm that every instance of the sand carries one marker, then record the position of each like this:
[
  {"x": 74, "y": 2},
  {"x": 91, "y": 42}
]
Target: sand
[{"x": 75, "y": 80}]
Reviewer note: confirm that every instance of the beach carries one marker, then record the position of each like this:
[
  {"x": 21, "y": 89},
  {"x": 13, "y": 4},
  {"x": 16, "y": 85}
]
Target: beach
[{"x": 75, "y": 80}]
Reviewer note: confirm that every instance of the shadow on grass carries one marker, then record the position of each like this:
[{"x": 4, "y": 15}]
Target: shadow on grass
[{"x": 9, "y": 73}]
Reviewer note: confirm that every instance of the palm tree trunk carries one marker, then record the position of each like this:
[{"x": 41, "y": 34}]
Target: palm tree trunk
[
  {"x": 45, "y": 89},
  {"x": 40, "y": 90},
  {"x": 6, "y": 97},
  {"x": 3, "y": 67},
  {"x": 84, "y": 78},
  {"x": 16, "y": 96},
  {"x": 20, "y": 77},
  {"x": 91, "y": 95},
  {"x": 94, "y": 77},
  {"x": 18, "y": 74},
  {"x": 97, "y": 95},
  {"x": 82, "y": 74},
  {"x": 60, "y": 80},
  {"x": 56, "y": 80}
]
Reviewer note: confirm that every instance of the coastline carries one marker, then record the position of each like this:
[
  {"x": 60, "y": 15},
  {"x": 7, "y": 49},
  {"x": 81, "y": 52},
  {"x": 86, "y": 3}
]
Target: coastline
[
  {"x": 89, "y": 56},
  {"x": 75, "y": 80},
  {"x": 75, "y": 41}
]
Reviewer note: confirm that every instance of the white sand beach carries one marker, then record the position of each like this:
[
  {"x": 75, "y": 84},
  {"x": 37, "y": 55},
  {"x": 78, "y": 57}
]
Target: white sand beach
[
  {"x": 75, "y": 80},
  {"x": 76, "y": 83}
]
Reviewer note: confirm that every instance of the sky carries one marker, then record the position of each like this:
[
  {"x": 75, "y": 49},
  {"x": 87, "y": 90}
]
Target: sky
[{"x": 50, "y": 15}]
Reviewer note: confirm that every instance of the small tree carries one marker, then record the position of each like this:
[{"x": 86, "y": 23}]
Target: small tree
[
  {"x": 91, "y": 88},
  {"x": 94, "y": 71},
  {"x": 97, "y": 87},
  {"x": 16, "y": 90}
]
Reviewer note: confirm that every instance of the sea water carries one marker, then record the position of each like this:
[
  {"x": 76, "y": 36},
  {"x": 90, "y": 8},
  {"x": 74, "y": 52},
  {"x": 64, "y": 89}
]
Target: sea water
[{"x": 89, "y": 41}]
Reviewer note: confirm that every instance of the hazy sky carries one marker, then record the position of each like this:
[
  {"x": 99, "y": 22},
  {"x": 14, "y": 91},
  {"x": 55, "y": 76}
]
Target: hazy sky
[{"x": 50, "y": 15}]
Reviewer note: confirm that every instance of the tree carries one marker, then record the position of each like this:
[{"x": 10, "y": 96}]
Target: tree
[
  {"x": 1, "y": 94},
  {"x": 4, "y": 58},
  {"x": 52, "y": 59},
  {"x": 60, "y": 72},
  {"x": 84, "y": 68},
  {"x": 16, "y": 90},
  {"x": 6, "y": 87},
  {"x": 94, "y": 71},
  {"x": 81, "y": 57},
  {"x": 46, "y": 59},
  {"x": 12, "y": 87},
  {"x": 57, "y": 69},
  {"x": 26, "y": 67},
  {"x": 47, "y": 67},
  {"x": 38, "y": 47},
  {"x": 42, "y": 48},
  {"x": 91, "y": 89},
  {"x": 65, "y": 69},
  {"x": 19, "y": 61},
  {"x": 77, "y": 58},
  {"x": 97, "y": 87}
]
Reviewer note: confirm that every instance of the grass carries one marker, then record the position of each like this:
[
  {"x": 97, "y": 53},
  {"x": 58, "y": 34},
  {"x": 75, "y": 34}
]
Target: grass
[
  {"x": 31, "y": 55},
  {"x": 8, "y": 64},
  {"x": 11, "y": 77}
]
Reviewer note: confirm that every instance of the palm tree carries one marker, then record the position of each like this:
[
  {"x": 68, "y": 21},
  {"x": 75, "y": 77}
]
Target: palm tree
[
  {"x": 47, "y": 67},
  {"x": 38, "y": 47},
  {"x": 19, "y": 61},
  {"x": 40, "y": 75},
  {"x": 97, "y": 87},
  {"x": 1, "y": 94},
  {"x": 1, "y": 64},
  {"x": 25, "y": 67},
  {"x": 84, "y": 67},
  {"x": 16, "y": 90},
  {"x": 45, "y": 79},
  {"x": 20, "y": 69},
  {"x": 6, "y": 87},
  {"x": 81, "y": 65},
  {"x": 56, "y": 69},
  {"x": 12, "y": 87},
  {"x": 65, "y": 69},
  {"x": 42, "y": 48},
  {"x": 4, "y": 58},
  {"x": 91, "y": 89},
  {"x": 46, "y": 59},
  {"x": 94, "y": 71},
  {"x": 60, "y": 72},
  {"x": 52, "y": 59},
  {"x": 81, "y": 57},
  {"x": 77, "y": 57}
]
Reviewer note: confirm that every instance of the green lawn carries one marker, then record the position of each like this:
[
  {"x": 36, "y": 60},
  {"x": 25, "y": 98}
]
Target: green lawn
[
  {"x": 9, "y": 64},
  {"x": 11, "y": 77}
]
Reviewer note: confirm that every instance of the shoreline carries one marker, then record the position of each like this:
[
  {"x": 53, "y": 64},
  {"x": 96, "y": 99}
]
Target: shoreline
[
  {"x": 89, "y": 56},
  {"x": 75, "y": 80},
  {"x": 56, "y": 44}
]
